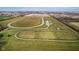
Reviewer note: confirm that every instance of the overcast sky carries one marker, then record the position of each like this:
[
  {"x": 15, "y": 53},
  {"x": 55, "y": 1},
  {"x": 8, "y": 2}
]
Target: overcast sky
[{"x": 67, "y": 9}]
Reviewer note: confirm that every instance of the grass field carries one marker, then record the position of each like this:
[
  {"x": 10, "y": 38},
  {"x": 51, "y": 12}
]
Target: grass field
[
  {"x": 56, "y": 37},
  {"x": 31, "y": 20}
]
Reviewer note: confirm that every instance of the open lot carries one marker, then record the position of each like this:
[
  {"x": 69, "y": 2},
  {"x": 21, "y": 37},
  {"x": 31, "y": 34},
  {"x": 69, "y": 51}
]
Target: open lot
[{"x": 52, "y": 35}]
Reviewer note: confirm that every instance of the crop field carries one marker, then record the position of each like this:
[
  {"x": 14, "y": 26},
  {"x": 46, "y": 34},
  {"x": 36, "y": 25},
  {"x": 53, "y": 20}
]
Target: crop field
[{"x": 37, "y": 33}]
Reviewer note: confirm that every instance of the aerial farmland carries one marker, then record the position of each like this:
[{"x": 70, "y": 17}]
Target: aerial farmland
[{"x": 38, "y": 32}]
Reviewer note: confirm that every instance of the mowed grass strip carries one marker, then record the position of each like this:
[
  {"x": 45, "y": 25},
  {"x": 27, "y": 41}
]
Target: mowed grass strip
[{"x": 28, "y": 21}]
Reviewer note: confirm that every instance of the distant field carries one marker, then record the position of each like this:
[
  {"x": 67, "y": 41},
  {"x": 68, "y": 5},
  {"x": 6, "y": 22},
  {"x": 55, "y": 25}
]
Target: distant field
[
  {"x": 5, "y": 17},
  {"x": 74, "y": 25},
  {"x": 55, "y": 37}
]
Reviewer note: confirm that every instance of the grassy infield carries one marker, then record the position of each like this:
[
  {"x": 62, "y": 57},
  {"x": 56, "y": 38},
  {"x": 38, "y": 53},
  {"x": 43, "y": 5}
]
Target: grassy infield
[{"x": 64, "y": 34}]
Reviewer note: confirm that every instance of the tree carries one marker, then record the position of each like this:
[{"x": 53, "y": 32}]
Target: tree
[{"x": 1, "y": 35}]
